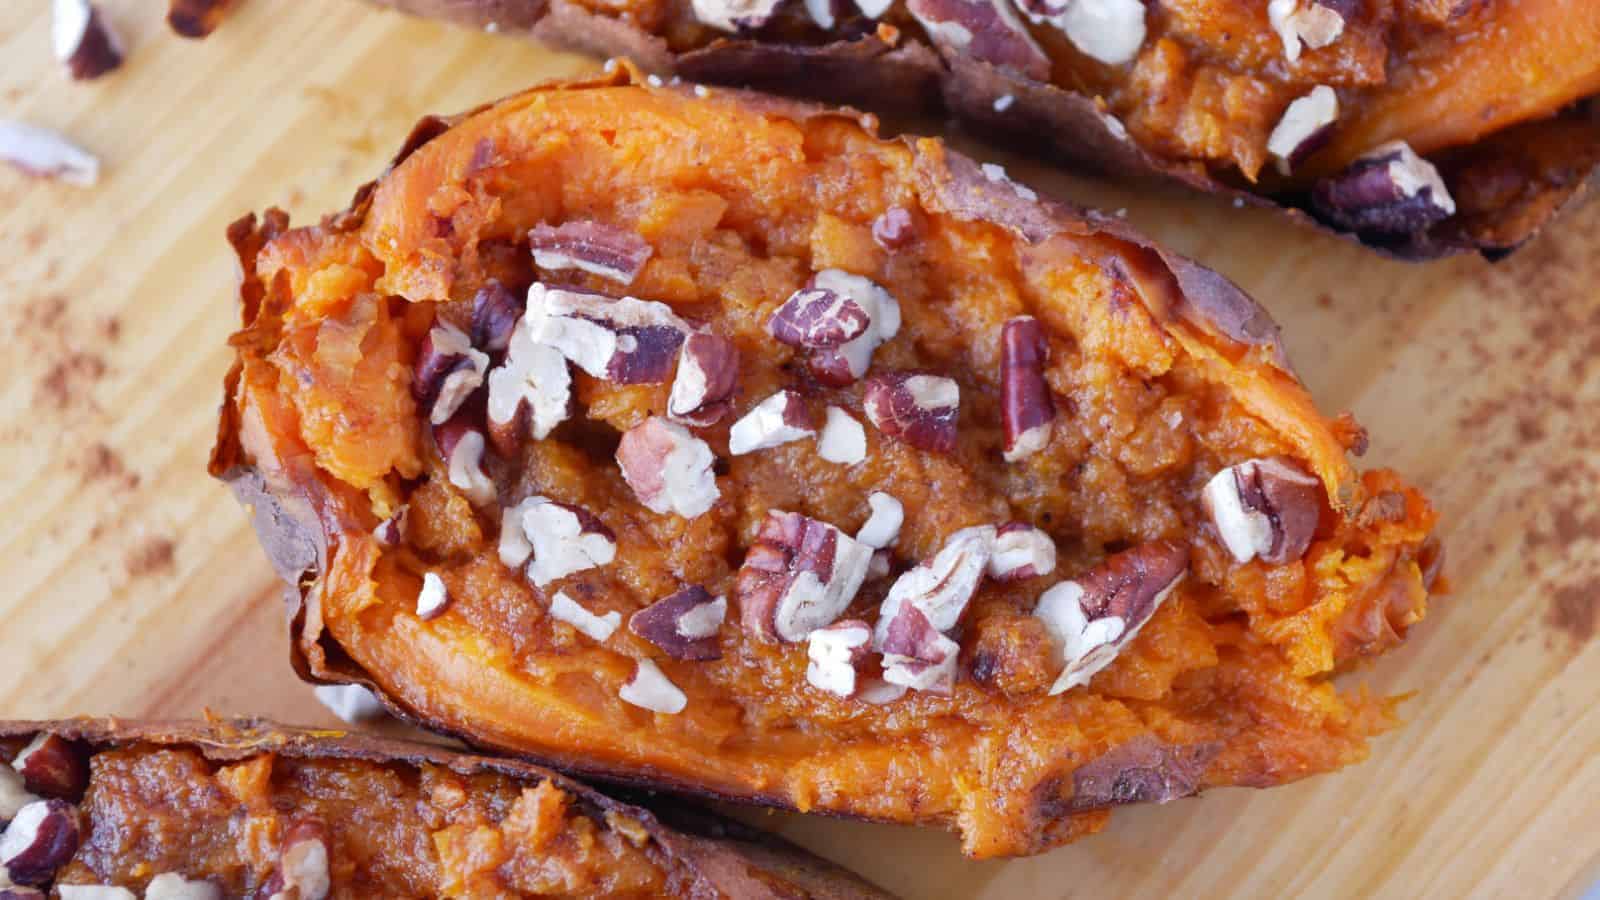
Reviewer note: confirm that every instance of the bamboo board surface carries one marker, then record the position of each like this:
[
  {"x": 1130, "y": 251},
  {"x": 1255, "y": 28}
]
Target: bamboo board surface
[{"x": 135, "y": 587}]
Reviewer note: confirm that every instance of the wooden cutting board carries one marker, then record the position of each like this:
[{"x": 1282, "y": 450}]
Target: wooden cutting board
[{"x": 136, "y": 589}]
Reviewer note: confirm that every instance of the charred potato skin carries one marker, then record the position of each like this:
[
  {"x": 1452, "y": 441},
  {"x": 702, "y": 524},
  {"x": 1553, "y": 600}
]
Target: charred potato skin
[
  {"x": 719, "y": 857},
  {"x": 904, "y": 75}
]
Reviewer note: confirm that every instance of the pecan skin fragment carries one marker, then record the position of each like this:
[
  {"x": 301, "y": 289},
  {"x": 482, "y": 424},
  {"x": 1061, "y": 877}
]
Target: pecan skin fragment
[
  {"x": 683, "y": 624},
  {"x": 918, "y": 409},
  {"x": 1027, "y": 411},
  {"x": 1264, "y": 507},
  {"x": 593, "y": 247}
]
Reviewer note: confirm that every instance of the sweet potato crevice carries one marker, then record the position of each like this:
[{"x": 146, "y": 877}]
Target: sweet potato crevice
[{"x": 741, "y": 201}]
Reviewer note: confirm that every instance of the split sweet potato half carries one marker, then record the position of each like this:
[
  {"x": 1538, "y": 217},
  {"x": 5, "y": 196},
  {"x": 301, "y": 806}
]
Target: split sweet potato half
[
  {"x": 102, "y": 809},
  {"x": 1420, "y": 127},
  {"x": 705, "y": 441}
]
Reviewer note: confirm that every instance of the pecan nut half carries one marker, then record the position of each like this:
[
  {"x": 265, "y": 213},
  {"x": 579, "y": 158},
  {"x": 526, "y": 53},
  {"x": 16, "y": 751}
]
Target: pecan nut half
[
  {"x": 1091, "y": 619},
  {"x": 708, "y": 377},
  {"x": 1391, "y": 190},
  {"x": 918, "y": 409},
  {"x": 800, "y": 575},
  {"x": 593, "y": 247},
  {"x": 669, "y": 469},
  {"x": 845, "y": 363},
  {"x": 684, "y": 624},
  {"x": 625, "y": 341},
  {"x": 1264, "y": 507},
  {"x": 1027, "y": 411},
  {"x": 773, "y": 422},
  {"x": 835, "y": 655}
]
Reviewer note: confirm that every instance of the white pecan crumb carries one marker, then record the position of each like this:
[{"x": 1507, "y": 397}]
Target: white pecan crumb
[
  {"x": 598, "y": 628},
  {"x": 651, "y": 689}
]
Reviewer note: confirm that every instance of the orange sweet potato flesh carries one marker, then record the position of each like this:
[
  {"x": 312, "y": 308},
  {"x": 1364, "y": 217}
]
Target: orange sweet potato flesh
[
  {"x": 215, "y": 801},
  {"x": 1165, "y": 373}
]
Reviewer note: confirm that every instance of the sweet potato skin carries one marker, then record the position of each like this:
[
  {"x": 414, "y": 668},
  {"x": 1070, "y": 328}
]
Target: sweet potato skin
[
  {"x": 305, "y": 520},
  {"x": 720, "y": 858},
  {"x": 890, "y": 72}
]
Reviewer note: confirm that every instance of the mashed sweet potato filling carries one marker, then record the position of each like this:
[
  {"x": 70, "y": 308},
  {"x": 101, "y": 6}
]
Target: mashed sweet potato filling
[{"x": 740, "y": 205}]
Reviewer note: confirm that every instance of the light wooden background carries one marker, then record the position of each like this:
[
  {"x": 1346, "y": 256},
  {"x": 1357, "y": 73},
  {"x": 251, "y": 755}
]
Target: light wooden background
[{"x": 133, "y": 586}]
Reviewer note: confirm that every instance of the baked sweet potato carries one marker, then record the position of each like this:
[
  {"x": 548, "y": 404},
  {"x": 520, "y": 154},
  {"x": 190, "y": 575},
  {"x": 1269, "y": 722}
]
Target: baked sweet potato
[
  {"x": 1266, "y": 102},
  {"x": 706, "y": 441},
  {"x": 205, "y": 810}
]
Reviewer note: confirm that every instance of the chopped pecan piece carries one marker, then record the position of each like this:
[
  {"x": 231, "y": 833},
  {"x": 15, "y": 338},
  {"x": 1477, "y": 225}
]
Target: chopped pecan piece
[
  {"x": 515, "y": 548},
  {"x": 43, "y": 153},
  {"x": 1306, "y": 125},
  {"x": 735, "y": 15},
  {"x": 845, "y": 363},
  {"x": 1111, "y": 31},
  {"x": 800, "y": 575},
  {"x": 668, "y": 468},
  {"x": 626, "y": 341},
  {"x": 1264, "y": 507},
  {"x": 83, "y": 41},
  {"x": 708, "y": 376},
  {"x": 352, "y": 703},
  {"x": 1304, "y": 21},
  {"x": 448, "y": 370},
  {"x": 1093, "y": 618},
  {"x": 651, "y": 689},
  {"x": 433, "y": 597},
  {"x": 303, "y": 864},
  {"x": 835, "y": 654},
  {"x": 941, "y": 587},
  {"x": 40, "y": 839},
  {"x": 683, "y": 624},
  {"x": 842, "y": 440},
  {"x": 93, "y": 892},
  {"x": 462, "y": 447},
  {"x": 495, "y": 314},
  {"x": 775, "y": 421},
  {"x": 593, "y": 247},
  {"x": 391, "y": 531},
  {"x": 1021, "y": 551},
  {"x": 565, "y": 539},
  {"x": 918, "y": 409},
  {"x": 917, "y": 655},
  {"x": 172, "y": 886},
  {"x": 597, "y": 628},
  {"x": 816, "y": 317},
  {"x": 13, "y": 794},
  {"x": 986, "y": 30},
  {"x": 1391, "y": 190},
  {"x": 1026, "y": 410},
  {"x": 882, "y": 527},
  {"x": 529, "y": 393},
  {"x": 52, "y": 766}
]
